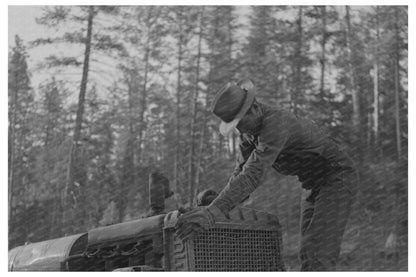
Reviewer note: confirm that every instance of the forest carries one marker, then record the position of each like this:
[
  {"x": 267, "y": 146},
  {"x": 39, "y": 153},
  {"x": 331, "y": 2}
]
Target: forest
[{"x": 127, "y": 91}]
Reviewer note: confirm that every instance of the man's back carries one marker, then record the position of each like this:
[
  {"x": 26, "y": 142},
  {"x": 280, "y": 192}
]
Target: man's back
[{"x": 308, "y": 152}]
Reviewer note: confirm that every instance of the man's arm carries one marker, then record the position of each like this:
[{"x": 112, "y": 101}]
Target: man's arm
[
  {"x": 273, "y": 137},
  {"x": 245, "y": 149}
]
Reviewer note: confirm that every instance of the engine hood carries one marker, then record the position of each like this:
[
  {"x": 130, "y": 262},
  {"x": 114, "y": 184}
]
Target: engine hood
[
  {"x": 44, "y": 256},
  {"x": 110, "y": 235}
]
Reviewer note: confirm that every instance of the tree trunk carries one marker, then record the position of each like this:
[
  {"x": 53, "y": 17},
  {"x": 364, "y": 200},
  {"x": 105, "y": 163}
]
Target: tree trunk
[
  {"x": 400, "y": 193},
  {"x": 376, "y": 91},
  {"x": 230, "y": 140},
  {"x": 298, "y": 60},
  {"x": 12, "y": 151},
  {"x": 132, "y": 88},
  {"x": 401, "y": 187},
  {"x": 369, "y": 130},
  {"x": 73, "y": 161},
  {"x": 143, "y": 101},
  {"x": 397, "y": 85},
  {"x": 376, "y": 106},
  {"x": 356, "y": 117},
  {"x": 128, "y": 178},
  {"x": 178, "y": 114},
  {"x": 191, "y": 179},
  {"x": 203, "y": 139},
  {"x": 323, "y": 57}
]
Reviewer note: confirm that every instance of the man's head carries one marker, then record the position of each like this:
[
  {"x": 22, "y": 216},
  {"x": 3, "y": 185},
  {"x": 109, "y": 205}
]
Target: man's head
[
  {"x": 236, "y": 106},
  {"x": 251, "y": 121}
]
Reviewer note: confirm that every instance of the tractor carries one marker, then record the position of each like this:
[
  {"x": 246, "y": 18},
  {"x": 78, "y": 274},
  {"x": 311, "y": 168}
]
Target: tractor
[{"x": 246, "y": 240}]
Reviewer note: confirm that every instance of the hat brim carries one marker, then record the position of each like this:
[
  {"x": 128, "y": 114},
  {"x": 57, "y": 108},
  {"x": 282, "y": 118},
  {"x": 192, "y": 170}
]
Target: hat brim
[{"x": 226, "y": 128}]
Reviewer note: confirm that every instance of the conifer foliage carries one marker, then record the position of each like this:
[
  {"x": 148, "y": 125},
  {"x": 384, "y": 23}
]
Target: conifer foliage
[{"x": 126, "y": 91}]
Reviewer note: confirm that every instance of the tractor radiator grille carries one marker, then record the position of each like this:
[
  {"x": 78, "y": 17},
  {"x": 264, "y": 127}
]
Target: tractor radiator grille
[{"x": 237, "y": 250}]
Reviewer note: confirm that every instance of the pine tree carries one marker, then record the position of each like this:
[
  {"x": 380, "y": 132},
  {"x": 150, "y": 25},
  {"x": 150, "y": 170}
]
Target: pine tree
[
  {"x": 50, "y": 167},
  {"x": 262, "y": 53},
  {"x": 55, "y": 17},
  {"x": 20, "y": 115},
  {"x": 144, "y": 33},
  {"x": 220, "y": 40},
  {"x": 192, "y": 181}
]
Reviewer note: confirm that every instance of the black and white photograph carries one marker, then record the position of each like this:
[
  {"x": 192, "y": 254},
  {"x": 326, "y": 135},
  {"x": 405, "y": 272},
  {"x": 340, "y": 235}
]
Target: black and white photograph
[{"x": 207, "y": 137}]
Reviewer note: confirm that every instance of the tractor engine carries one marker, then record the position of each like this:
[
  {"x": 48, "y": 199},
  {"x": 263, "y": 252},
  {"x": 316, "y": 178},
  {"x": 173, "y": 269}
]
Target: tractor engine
[{"x": 247, "y": 240}]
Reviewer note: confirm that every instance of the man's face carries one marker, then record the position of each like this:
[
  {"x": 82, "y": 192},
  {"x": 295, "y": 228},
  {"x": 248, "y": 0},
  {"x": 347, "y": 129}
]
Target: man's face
[{"x": 250, "y": 123}]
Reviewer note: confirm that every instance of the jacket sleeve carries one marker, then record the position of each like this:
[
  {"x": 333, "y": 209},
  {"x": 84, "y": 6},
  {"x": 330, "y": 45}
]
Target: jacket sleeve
[
  {"x": 245, "y": 149},
  {"x": 272, "y": 138}
]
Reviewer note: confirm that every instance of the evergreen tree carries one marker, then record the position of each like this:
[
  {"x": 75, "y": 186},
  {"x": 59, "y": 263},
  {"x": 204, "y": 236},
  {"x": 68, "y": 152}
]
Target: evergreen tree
[
  {"x": 20, "y": 135},
  {"x": 56, "y": 17},
  {"x": 220, "y": 70},
  {"x": 142, "y": 101},
  {"x": 50, "y": 166},
  {"x": 262, "y": 52}
]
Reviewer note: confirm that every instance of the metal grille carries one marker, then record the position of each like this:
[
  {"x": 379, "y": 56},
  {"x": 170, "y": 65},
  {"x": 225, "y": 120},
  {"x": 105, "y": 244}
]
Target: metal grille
[{"x": 237, "y": 250}]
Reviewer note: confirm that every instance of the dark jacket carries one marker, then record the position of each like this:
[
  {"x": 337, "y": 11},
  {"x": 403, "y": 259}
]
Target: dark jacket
[{"x": 292, "y": 146}]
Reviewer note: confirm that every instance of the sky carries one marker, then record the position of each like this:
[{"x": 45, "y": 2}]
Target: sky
[{"x": 22, "y": 22}]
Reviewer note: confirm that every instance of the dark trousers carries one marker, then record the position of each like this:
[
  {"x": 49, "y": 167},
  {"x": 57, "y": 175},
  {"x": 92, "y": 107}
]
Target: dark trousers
[{"x": 325, "y": 214}]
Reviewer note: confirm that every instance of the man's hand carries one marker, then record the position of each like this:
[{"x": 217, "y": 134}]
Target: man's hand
[{"x": 193, "y": 222}]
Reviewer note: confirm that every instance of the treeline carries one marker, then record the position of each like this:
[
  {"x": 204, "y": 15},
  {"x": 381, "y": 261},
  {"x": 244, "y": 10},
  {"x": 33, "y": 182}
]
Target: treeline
[{"x": 131, "y": 95}]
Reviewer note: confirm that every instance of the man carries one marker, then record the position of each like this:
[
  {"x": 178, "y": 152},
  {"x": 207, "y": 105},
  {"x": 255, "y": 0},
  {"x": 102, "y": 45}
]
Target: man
[{"x": 272, "y": 137}]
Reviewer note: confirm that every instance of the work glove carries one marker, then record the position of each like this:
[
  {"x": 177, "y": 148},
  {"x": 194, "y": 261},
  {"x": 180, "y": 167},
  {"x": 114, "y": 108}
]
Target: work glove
[
  {"x": 196, "y": 221},
  {"x": 205, "y": 197}
]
